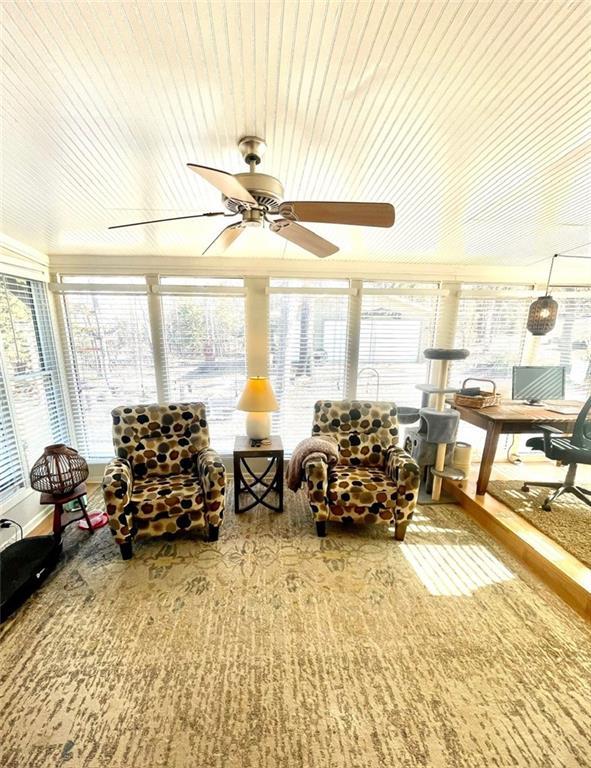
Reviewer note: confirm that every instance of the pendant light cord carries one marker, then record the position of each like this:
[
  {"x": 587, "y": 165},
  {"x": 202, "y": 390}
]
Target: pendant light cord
[
  {"x": 564, "y": 256},
  {"x": 550, "y": 273}
]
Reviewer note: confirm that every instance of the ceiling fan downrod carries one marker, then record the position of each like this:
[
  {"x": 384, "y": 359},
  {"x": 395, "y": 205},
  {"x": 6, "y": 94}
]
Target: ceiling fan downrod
[{"x": 252, "y": 149}]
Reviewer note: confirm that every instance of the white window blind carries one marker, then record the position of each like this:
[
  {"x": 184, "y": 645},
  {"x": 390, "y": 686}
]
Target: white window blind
[
  {"x": 32, "y": 378},
  {"x": 493, "y": 328},
  {"x": 395, "y": 329},
  {"x": 111, "y": 362},
  {"x": 205, "y": 353},
  {"x": 308, "y": 355},
  {"x": 11, "y": 473},
  {"x": 494, "y": 331},
  {"x": 569, "y": 344}
]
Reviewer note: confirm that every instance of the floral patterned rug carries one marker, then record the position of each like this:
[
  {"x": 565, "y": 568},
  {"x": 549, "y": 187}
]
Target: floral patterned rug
[{"x": 272, "y": 648}]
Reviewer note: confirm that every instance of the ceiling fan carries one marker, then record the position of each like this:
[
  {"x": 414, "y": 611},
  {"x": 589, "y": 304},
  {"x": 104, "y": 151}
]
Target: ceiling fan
[{"x": 258, "y": 199}]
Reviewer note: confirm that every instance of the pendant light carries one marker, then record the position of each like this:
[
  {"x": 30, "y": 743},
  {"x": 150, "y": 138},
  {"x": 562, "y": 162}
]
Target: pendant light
[{"x": 542, "y": 314}]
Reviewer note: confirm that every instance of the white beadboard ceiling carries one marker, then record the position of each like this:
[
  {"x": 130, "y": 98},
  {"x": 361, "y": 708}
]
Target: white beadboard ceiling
[{"x": 472, "y": 118}]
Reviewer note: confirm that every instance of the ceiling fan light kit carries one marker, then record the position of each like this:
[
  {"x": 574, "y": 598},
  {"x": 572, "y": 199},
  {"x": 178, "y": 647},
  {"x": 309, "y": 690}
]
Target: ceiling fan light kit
[{"x": 258, "y": 199}]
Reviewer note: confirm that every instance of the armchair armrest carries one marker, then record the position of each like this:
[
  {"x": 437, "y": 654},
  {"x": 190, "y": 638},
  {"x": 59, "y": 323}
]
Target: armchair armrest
[
  {"x": 547, "y": 433},
  {"x": 316, "y": 474},
  {"x": 117, "y": 489},
  {"x": 212, "y": 475},
  {"x": 405, "y": 472}
]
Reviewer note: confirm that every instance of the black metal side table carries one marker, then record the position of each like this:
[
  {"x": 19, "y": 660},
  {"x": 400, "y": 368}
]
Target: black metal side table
[{"x": 258, "y": 484}]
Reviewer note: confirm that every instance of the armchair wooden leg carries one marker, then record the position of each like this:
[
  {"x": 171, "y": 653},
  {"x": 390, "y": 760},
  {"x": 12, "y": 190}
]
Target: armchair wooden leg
[
  {"x": 321, "y": 528},
  {"x": 126, "y": 550},
  {"x": 213, "y": 532},
  {"x": 400, "y": 530}
]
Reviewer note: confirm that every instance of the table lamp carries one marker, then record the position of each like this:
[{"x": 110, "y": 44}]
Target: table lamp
[{"x": 258, "y": 400}]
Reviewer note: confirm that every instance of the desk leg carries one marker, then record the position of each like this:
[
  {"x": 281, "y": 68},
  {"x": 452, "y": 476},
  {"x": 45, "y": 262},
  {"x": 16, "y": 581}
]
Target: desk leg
[
  {"x": 236, "y": 484},
  {"x": 493, "y": 431}
]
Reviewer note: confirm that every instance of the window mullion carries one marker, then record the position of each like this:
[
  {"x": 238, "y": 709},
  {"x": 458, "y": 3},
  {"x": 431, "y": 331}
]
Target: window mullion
[
  {"x": 156, "y": 319},
  {"x": 353, "y": 335},
  {"x": 257, "y": 326}
]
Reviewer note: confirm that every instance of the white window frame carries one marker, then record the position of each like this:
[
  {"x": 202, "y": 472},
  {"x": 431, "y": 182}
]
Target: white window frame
[
  {"x": 257, "y": 291},
  {"x": 21, "y": 493}
]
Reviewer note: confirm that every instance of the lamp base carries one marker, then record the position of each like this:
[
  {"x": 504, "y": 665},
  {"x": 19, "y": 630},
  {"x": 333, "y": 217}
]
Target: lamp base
[{"x": 258, "y": 425}]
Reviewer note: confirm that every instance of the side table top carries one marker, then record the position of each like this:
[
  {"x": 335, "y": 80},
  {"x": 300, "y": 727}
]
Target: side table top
[{"x": 273, "y": 445}]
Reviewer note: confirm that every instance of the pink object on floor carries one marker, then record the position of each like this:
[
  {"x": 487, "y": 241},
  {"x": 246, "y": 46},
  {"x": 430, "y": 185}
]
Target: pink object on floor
[{"x": 97, "y": 519}]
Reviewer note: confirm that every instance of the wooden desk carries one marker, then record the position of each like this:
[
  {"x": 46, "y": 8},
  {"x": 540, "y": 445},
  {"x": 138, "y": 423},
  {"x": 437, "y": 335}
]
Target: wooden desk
[{"x": 511, "y": 418}]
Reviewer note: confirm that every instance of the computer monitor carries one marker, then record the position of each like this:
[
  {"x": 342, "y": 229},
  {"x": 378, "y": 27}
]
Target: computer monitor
[{"x": 535, "y": 383}]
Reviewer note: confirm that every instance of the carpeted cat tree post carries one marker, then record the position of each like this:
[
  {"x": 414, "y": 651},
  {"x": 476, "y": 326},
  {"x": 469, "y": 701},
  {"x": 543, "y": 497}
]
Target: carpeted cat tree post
[{"x": 434, "y": 396}]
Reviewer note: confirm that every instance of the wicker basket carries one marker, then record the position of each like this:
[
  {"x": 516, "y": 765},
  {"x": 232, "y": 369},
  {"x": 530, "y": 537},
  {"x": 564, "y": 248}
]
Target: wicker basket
[
  {"x": 484, "y": 400},
  {"x": 58, "y": 471}
]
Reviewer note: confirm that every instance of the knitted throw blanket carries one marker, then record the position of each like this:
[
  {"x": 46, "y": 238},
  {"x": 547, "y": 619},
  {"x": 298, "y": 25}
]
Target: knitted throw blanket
[{"x": 325, "y": 446}]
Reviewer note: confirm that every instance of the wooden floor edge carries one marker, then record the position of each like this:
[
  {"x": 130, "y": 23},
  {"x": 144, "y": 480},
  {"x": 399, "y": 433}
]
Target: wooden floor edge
[{"x": 562, "y": 573}]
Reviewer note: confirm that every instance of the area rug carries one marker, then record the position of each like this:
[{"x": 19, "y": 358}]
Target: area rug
[
  {"x": 272, "y": 648},
  {"x": 568, "y": 523}
]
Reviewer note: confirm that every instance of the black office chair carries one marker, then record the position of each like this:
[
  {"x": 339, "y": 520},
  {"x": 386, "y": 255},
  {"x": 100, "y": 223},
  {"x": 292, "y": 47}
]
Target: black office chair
[{"x": 572, "y": 450}]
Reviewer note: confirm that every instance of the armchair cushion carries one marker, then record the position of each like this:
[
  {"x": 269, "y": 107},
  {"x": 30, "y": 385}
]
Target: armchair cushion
[
  {"x": 367, "y": 489},
  {"x": 362, "y": 429},
  {"x": 160, "y": 439},
  {"x": 167, "y": 497},
  {"x": 153, "y": 456}
]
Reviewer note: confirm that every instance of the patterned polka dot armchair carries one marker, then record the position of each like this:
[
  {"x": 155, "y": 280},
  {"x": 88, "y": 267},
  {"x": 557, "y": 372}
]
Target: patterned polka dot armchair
[
  {"x": 374, "y": 481},
  {"x": 165, "y": 478}
]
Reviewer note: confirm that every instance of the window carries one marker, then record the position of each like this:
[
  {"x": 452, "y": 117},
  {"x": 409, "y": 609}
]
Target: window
[
  {"x": 493, "y": 329},
  {"x": 31, "y": 378},
  {"x": 395, "y": 329},
  {"x": 205, "y": 354},
  {"x": 308, "y": 354},
  {"x": 569, "y": 344},
  {"x": 491, "y": 324},
  {"x": 111, "y": 362},
  {"x": 11, "y": 473}
]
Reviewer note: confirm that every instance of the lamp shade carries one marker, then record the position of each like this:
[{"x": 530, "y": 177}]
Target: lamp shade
[
  {"x": 257, "y": 396},
  {"x": 542, "y": 314}
]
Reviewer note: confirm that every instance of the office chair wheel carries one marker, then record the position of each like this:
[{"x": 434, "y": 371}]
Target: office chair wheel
[
  {"x": 525, "y": 488},
  {"x": 546, "y": 506}
]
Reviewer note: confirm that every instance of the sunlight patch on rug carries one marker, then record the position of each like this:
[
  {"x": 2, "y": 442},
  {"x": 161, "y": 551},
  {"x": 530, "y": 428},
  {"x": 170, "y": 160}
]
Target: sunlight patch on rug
[{"x": 455, "y": 569}]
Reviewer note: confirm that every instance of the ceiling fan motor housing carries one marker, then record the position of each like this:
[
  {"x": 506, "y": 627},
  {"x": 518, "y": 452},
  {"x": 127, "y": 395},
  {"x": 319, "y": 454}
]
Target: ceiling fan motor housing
[{"x": 266, "y": 190}]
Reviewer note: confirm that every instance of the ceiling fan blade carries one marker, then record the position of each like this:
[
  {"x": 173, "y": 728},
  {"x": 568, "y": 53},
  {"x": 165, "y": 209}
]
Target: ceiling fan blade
[
  {"x": 224, "y": 240},
  {"x": 174, "y": 218},
  {"x": 362, "y": 214},
  {"x": 225, "y": 182},
  {"x": 303, "y": 237}
]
